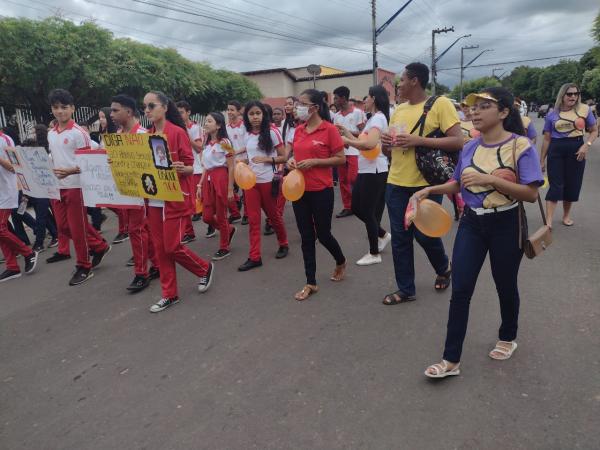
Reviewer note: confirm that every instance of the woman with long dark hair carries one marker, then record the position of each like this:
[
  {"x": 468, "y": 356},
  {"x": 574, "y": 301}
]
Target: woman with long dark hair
[
  {"x": 265, "y": 150},
  {"x": 166, "y": 218},
  {"x": 290, "y": 121},
  {"x": 566, "y": 150},
  {"x": 318, "y": 147},
  {"x": 490, "y": 223},
  {"x": 368, "y": 195}
]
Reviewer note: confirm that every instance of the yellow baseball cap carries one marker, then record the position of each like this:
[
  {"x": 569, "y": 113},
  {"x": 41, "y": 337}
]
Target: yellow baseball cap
[{"x": 471, "y": 99}]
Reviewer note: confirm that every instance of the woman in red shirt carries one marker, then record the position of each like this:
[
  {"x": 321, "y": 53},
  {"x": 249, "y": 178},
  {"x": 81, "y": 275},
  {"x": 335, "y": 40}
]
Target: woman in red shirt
[
  {"x": 318, "y": 147},
  {"x": 167, "y": 218}
]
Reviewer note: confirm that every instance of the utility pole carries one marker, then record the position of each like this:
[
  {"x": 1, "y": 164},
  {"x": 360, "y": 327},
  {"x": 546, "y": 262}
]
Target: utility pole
[
  {"x": 496, "y": 69},
  {"x": 433, "y": 59},
  {"x": 374, "y": 31},
  {"x": 462, "y": 68}
]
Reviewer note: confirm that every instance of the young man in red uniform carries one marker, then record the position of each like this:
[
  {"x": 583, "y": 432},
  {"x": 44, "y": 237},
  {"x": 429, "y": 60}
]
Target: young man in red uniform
[
  {"x": 122, "y": 113},
  {"x": 71, "y": 218}
]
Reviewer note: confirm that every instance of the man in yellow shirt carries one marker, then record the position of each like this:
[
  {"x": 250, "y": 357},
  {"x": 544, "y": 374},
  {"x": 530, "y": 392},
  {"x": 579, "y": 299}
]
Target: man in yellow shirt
[{"x": 405, "y": 179}]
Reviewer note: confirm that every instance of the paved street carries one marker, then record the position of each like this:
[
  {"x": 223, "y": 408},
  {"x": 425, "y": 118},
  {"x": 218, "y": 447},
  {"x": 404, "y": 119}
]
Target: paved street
[{"x": 244, "y": 366}]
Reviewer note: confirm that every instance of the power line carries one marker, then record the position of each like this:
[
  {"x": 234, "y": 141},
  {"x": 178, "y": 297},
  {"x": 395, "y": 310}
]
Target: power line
[{"x": 516, "y": 62}]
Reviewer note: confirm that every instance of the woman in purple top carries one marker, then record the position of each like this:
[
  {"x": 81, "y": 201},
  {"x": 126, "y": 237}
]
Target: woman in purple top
[
  {"x": 485, "y": 175},
  {"x": 566, "y": 150}
]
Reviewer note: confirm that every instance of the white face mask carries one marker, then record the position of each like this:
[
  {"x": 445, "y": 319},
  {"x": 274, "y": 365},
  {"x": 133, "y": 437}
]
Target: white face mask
[{"x": 302, "y": 112}]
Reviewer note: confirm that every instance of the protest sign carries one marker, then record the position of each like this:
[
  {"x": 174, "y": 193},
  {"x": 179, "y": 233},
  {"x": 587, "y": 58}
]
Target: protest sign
[
  {"x": 34, "y": 172},
  {"x": 97, "y": 183},
  {"x": 141, "y": 166}
]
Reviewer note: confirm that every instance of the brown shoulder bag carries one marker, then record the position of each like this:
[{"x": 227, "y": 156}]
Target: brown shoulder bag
[{"x": 534, "y": 244}]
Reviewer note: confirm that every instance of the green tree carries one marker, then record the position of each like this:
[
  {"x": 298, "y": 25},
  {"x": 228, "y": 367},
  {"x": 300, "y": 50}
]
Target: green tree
[
  {"x": 553, "y": 77},
  {"x": 475, "y": 85},
  {"x": 87, "y": 60},
  {"x": 523, "y": 82},
  {"x": 590, "y": 84},
  {"x": 596, "y": 28}
]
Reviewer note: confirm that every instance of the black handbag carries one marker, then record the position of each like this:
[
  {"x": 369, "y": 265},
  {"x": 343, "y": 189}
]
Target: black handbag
[
  {"x": 436, "y": 165},
  {"x": 276, "y": 182}
]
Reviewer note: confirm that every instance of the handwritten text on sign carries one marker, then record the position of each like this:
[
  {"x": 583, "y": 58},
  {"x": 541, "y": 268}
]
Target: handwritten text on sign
[
  {"x": 34, "y": 172},
  {"x": 141, "y": 166}
]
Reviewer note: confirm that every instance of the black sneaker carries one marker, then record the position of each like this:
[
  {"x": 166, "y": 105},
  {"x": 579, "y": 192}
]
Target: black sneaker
[
  {"x": 99, "y": 256},
  {"x": 139, "y": 283},
  {"x": 344, "y": 213},
  {"x": 232, "y": 234},
  {"x": 130, "y": 262},
  {"x": 31, "y": 262},
  {"x": 153, "y": 273},
  {"x": 249, "y": 264},
  {"x": 163, "y": 304},
  {"x": 221, "y": 254},
  {"x": 205, "y": 281},
  {"x": 210, "y": 232},
  {"x": 81, "y": 275},
  {"x": 9, "y": 275},
  {"x": 268, "y": 230},
  {"x": 196, "y": 217},
  {"x": 245, "y": 220},
  {"x": 234, "y": 219},
  {"x": 121, "y": 237},
  {"x": 39, "y": 248},
  {"x": 282, "y": 252},
  {"x": 57, "y": 257},
  {"x": 187, "y": 239},
  {"x": 53, "y": 243}
]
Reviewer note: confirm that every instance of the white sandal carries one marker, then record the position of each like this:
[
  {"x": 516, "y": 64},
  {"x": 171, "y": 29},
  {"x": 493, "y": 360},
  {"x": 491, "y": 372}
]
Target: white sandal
[
  {"x": 441, "y": 370},
  {"x": 504, "y": 352}
]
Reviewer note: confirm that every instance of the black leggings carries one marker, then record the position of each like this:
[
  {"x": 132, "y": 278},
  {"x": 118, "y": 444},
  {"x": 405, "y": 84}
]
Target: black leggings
[
  {"x": 368, "y": 203},
  {"x": 313, "y": 216}
]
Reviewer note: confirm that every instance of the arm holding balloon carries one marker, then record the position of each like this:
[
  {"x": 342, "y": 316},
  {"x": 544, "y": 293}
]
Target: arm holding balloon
[
  {"x": 451, "y": 187},
  {"x": 279, "y": 159},
  {"x": 230, "y": 170},
  {"x": 372, "y": 139},
  {"x": 336, "y": 160}
]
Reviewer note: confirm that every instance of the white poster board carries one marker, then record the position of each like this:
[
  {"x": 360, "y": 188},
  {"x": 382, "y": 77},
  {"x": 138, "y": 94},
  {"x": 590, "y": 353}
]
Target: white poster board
[
  {"x": 97, "y": 183},
  {"x": 34, "y": 172}
]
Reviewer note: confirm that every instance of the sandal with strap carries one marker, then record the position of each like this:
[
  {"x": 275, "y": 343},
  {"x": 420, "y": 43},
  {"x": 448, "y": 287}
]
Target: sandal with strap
[
  {"x": 503, "y": 351},
  {"x": 442, "y": 282},
  {"x": 339, "y": 272},
  {"x": 306, "y": 292},
  {"x": 397, "y": 297},
  {"x": 441, "y": 370}
]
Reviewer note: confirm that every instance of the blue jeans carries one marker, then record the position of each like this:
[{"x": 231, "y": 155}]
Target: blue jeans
[
  {"x": 498, "y": 234},
  {"x": 43, "y": 220},
  {"x": 396, "y": 198}
]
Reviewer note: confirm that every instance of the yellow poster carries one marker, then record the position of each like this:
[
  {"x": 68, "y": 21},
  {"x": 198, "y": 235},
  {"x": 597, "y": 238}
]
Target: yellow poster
[{"x": 141, "y": 166}]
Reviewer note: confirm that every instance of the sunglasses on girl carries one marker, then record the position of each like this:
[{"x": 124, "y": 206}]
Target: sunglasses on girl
[
  {"x": 150, "y": 106},
  {"x": 572, "y": 94}
]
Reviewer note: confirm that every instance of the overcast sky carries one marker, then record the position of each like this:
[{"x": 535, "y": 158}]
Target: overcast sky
[{"x": 262, "y": 34}]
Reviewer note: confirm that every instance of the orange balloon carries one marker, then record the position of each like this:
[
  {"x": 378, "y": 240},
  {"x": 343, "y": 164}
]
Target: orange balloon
[
  {"x": 293, "y": 185},
  {"x": 199, "y": 206},
  {"x": 371, "y": 154},
  {"x": 579, "y": 123},
  {"x": 474, "y": 133},
  {"x": 243, "y": 175},
  {"x": 432, "y": 219}
]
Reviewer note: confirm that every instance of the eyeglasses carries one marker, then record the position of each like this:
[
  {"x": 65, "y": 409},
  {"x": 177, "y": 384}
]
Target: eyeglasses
[
  {"x": 150, "y": 106},
  {"x": 481, "y": 106},
  {"x": 572, "y": 94}
]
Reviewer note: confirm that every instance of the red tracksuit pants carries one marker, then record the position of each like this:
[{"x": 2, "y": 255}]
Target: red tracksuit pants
[
  {"x": 257, "y": 198},
  {"x": 10, "y": 244},
  {"x": 189, "y": 226},
  {"x": 214, "y": 201},
  {"x": 347, "y": 177},
  {"x": 141, "y": 244},
  {"x": 123, "y": 220},
  {"x": 72, "y": 224},
  {"x": 169, "y": 250}
]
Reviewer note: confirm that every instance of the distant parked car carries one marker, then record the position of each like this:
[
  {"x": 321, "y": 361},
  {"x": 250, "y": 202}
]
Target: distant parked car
[{"x": 542, "y": 111}]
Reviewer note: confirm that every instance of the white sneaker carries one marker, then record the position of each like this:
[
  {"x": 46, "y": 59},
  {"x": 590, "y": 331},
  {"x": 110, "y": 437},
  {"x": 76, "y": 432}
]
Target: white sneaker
[
  {"x": 369, "y": 259},
  {"x": 383, "y": 242}
]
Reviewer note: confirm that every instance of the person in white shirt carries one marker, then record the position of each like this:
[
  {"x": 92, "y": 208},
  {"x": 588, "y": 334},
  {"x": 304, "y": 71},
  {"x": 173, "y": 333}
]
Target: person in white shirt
[
  {"x": 278, "y": 116},
  {"x": 368, "y": 196},
  {"x": 236, "y": 133},
  {"x": 71, "y": 219},
  {"x": 353, "y": 120},
  {"x": 10, "y": 244}
]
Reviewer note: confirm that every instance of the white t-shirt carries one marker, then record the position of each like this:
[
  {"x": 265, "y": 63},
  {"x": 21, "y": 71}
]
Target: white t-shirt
[
  {"x": 237, "y": 136},
  {"x": 263, "y": 171},
  {"x": 63, "y": 145},
  {"x": 215, "y": 154},
  {"x": 9, "y": 193},
  {"x": 379, "y": 164},
  {"x": 351, "y": 120},
  {"x": 195, "y": 133}
]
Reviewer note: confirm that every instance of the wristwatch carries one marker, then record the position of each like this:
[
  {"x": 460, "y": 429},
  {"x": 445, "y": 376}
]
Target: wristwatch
[{"x": 589, "y": 143}]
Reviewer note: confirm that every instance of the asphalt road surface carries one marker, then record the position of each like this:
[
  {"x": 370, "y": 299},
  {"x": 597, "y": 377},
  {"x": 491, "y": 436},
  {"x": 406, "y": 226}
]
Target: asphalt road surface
[{"x": 244, "y": 366}]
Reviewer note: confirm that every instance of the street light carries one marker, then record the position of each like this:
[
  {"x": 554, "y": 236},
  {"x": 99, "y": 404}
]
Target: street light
[{"x": 462, "y": 69}]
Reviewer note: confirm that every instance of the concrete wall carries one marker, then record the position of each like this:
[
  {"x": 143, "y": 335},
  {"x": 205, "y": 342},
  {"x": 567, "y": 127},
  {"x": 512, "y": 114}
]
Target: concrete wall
[{"x": 276, "y": 84}]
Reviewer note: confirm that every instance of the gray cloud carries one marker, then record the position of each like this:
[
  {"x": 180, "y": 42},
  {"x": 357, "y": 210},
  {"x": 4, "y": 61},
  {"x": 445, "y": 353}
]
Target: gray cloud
[{"x": 515, "y": 29}]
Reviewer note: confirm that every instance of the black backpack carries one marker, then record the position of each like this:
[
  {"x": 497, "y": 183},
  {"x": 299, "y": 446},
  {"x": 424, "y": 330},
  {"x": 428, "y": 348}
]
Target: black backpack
[{"x": 436, "y": 165}]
